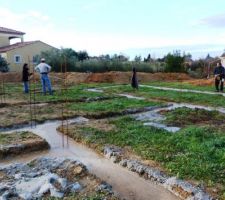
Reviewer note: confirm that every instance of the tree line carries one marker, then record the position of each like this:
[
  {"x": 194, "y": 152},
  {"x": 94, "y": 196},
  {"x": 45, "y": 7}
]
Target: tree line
[{"x": 81, "y": 61}]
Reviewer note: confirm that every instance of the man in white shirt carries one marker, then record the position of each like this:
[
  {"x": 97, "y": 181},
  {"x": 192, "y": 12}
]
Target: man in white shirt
[{"x": 43, "y": 68}]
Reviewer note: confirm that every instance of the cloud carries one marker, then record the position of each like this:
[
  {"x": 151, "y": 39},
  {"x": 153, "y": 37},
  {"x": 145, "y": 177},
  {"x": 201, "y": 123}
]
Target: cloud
[
  {"x": 39, "y": 26},
  {"x": 14, "y": 20},
  {"x": 217, "y": 21}
]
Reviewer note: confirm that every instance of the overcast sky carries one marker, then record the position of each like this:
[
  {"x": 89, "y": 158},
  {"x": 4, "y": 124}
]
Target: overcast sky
[{"x": 104, "y": 26}]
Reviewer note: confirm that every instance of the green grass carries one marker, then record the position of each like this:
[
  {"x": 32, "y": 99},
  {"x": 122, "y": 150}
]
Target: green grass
[
  {"x": 113, "y": 105},
  {"x": 185, "y": 116},
  {"x": 15, "y": 91},
  {"x": 73, "y": 93},
  {"x": 172, "y": 96},
  {"x": 195, "y": 152},
  {"x": 181, "y": 85},
  {"x": 13, "y": 137}
]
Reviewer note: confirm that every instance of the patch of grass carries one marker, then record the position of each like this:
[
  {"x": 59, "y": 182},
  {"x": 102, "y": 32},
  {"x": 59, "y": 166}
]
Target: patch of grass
[
  {"x": 113, "y": 105},
  {"x": 15, "y": 91},
  {"x": 196, "y": 153},
  {"x": 185, "y": 116},
  {"x": 11, "y": 138},
  {"x": 72, "y": 93},
  {"x": 172, "y": 96},
  {"x": 181, "y": 85}
]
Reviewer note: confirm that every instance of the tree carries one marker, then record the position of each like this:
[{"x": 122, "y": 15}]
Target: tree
[
  {"x": 82, "y": 55},
  {"x": 137, "y": 59},
  {"x": 123, "y": 58},
  {"x": 3, "y": 65},
  {"x": 148, "y": 59},
  {"x": 175, "y": 62},
  {"x": 60, "y": 57},
  {"x": 119, "y": 58},
  {"x": 104, "y": 57},
  {"x": 188, "y": 56}
]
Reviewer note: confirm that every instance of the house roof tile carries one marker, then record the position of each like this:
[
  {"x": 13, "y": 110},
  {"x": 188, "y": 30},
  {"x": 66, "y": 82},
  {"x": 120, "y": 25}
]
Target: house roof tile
[
  {"x": 10, "y": 31},
  {"x": 15, "y": 46}
]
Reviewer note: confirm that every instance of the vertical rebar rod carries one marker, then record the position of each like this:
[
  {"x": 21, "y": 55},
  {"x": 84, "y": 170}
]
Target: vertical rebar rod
[
  {"x": 66, "y": 102},
  {"x": 3, "y": 88},
  {"x": 1, "y": 91},
  {"x": 34, "y": 96},
  {"x": 30, "y": 95},
  {"x": 62, "y": 106}
]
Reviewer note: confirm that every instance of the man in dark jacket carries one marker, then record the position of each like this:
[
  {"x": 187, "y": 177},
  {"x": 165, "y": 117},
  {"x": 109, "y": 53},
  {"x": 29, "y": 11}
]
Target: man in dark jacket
[
  {"x": 134, "y": 80},
  {"x": 219, "y": 73},
  {"x": 25, "y": 77}
]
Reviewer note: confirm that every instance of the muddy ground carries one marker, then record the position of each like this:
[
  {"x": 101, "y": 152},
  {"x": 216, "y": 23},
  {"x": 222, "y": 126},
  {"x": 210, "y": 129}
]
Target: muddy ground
[{"x": 17, "y": 143}]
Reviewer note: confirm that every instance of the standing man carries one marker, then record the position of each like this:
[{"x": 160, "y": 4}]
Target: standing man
[
  {"x": 219, "y": 73},
  {"x": 134, "y": 80},
  {"x": 25, "y": 77},
  {"x": 43, "y": 68}
]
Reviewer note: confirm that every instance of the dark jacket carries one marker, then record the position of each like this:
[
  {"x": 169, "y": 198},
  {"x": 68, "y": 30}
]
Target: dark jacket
[
  {"x": 26, "y": 74},
  {"x": 134, "y": 80},
  {"x": 219, "y": 71}
]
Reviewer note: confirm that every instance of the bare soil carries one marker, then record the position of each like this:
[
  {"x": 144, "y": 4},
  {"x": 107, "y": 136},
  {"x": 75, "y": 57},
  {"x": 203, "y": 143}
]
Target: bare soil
[
  {"x": 201, "y": 82},
  {"x": 108, "y": 77}
]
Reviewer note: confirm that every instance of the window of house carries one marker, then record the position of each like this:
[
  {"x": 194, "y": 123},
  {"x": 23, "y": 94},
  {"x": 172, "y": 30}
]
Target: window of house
[
  {"x": 35, "y": 59},
  {"x": 17, "y": 59}
]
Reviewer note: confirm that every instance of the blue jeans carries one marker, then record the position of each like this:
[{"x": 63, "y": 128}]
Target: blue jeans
[
  {"x": 46, "y": 82},
  {"x": 26, "y": 86}
]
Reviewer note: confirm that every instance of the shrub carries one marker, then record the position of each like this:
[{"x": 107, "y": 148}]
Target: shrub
[
  {"x": 80, "y": 62},
  {"x": 175, "y": 62},
  {"x": 4, "y": 67}
]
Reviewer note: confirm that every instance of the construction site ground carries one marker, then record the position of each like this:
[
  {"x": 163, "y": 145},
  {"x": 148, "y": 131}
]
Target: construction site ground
[{"x": 115, "y": 114}]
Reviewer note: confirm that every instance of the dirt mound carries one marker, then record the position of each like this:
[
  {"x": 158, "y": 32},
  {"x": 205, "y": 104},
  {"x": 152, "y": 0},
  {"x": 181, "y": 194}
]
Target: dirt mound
[
  {"x": 201, "y": 82},
  {"x": 11, "y": 77},
  {"x": 108, "y": 77},
  {"x": 123, "y": 77},
  {"x": 15, "y": 77}
]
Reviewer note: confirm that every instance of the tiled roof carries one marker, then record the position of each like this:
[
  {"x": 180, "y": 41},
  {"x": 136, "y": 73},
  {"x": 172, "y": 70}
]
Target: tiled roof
[
  {"x": 10, "y": 31},
  {"x": 15, "y": 46}
]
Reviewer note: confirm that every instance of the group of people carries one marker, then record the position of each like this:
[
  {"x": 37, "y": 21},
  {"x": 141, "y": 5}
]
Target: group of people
[{"x": 43, "y": 69}]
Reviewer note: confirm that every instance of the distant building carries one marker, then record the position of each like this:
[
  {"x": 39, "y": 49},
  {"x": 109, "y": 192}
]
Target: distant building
[{"x": 17, "y": 54}]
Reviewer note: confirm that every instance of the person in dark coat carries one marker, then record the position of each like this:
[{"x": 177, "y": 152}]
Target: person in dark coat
[
  {"x": 219, "y": 73},
  {"x": 134, "y": 80},
  {"x": 25, "y": 77}
]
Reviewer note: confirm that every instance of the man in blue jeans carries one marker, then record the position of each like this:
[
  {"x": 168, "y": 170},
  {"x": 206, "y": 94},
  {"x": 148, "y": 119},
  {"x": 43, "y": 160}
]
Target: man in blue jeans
[{"x": 43, "y": 68}]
